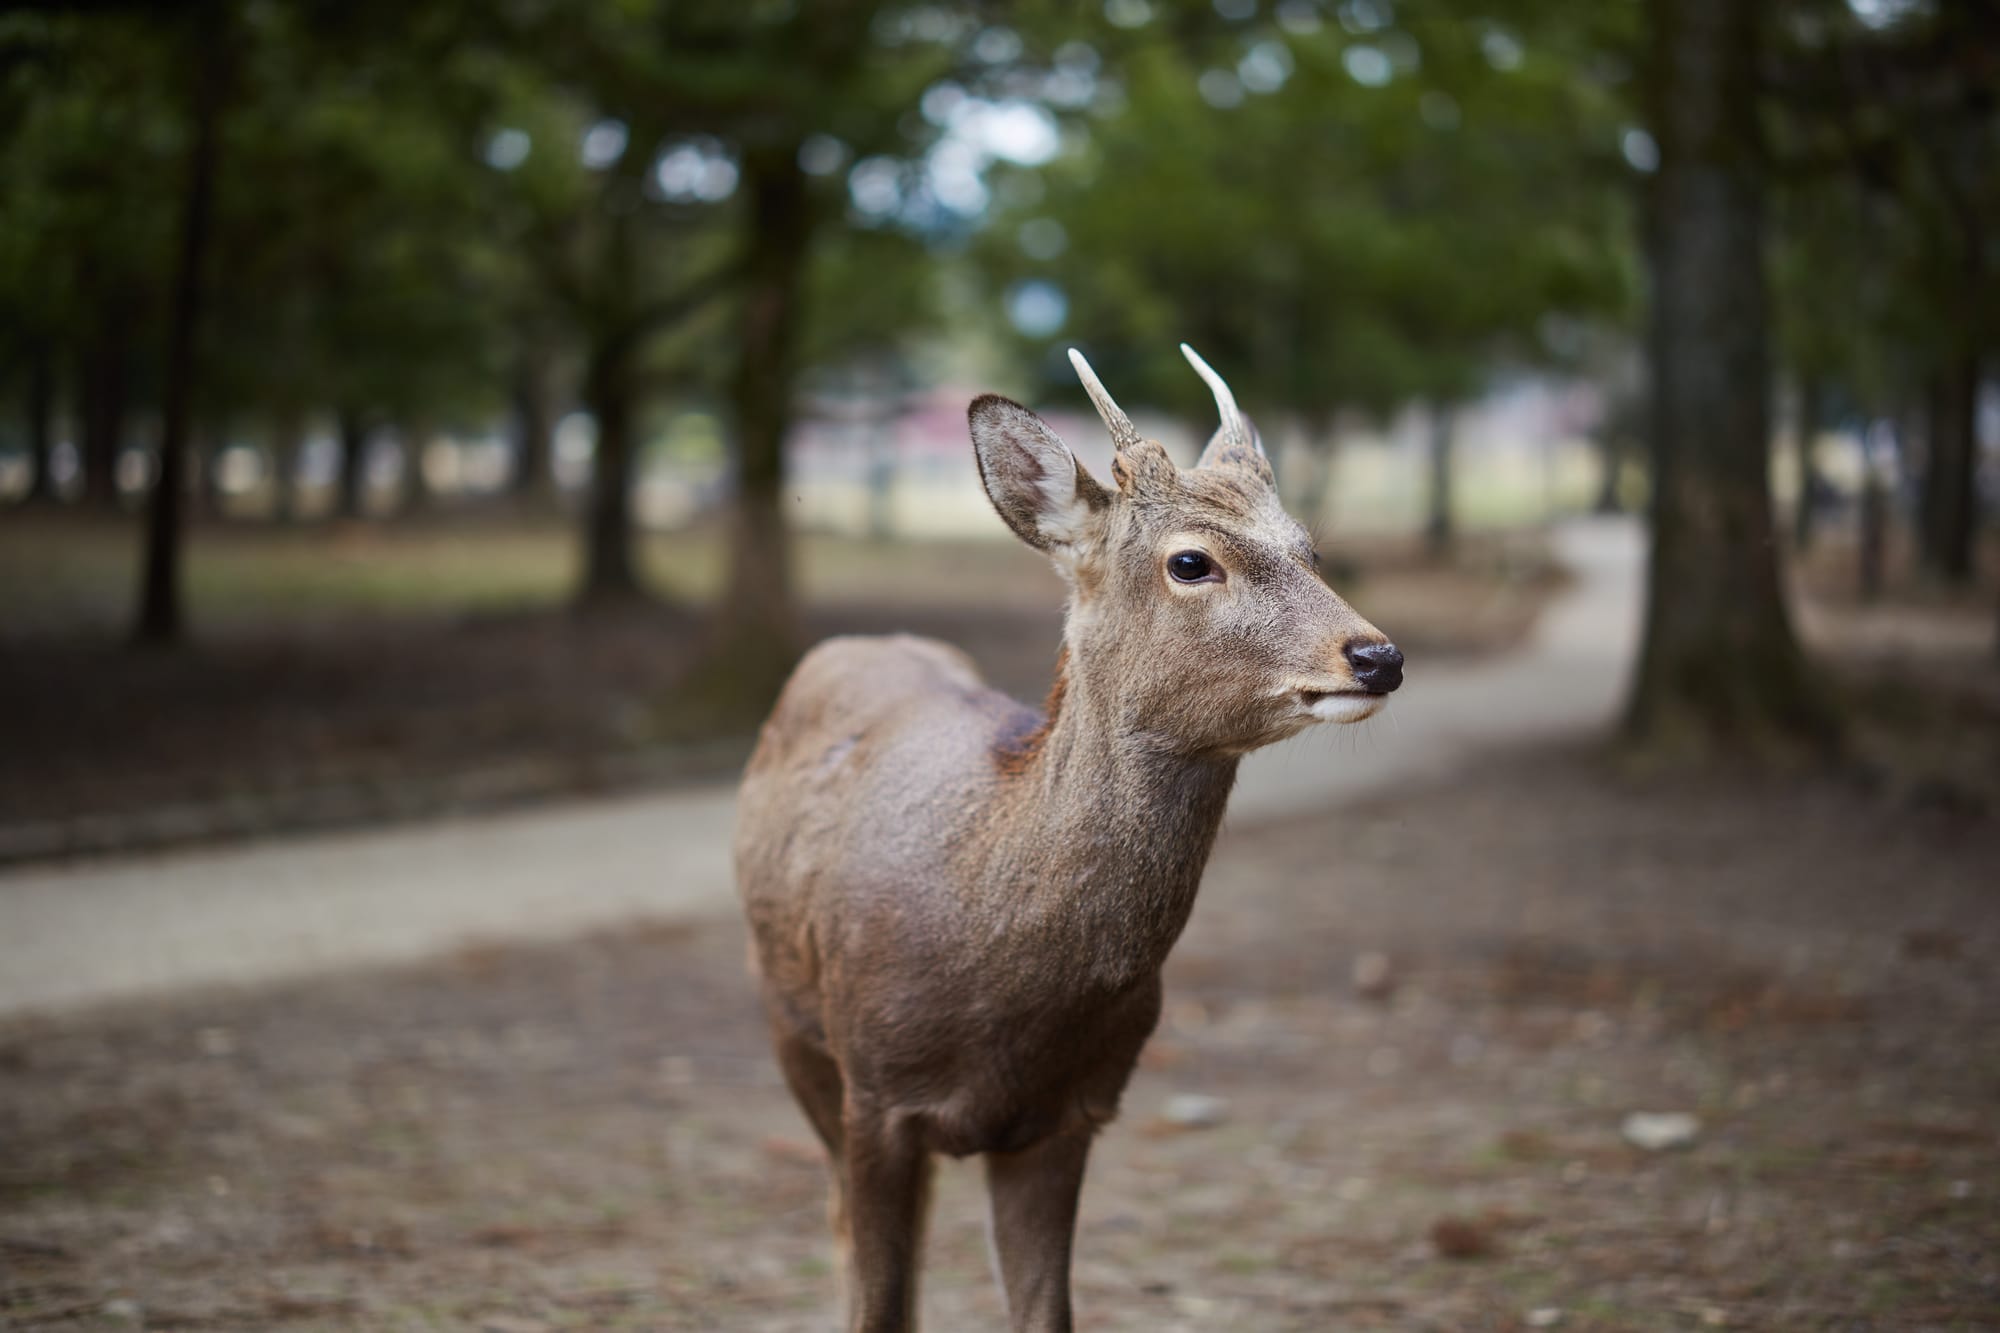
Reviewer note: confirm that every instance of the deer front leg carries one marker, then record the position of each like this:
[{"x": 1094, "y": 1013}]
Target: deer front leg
[
  {"x": 1034, "y": 1196},
  {"x": 888, "y": 1191}
]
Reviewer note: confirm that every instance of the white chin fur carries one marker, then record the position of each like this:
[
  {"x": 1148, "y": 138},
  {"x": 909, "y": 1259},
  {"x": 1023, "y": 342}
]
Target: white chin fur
[{"x": 1347, "y": 707}]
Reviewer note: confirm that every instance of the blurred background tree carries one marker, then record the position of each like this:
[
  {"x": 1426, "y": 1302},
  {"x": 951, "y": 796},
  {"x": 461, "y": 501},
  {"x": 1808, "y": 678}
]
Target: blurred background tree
[
  {"x": 605, "y": 242},
  {"x": 1290, "y": 197},
  {"x": 717, "y": 134},
  {"x": 86, "y": 140},
  {"x": 1889, "y": 124}
]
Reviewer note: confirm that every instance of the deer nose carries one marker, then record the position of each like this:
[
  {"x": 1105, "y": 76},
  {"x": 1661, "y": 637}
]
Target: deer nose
[{"x": 1377, "y": 667}]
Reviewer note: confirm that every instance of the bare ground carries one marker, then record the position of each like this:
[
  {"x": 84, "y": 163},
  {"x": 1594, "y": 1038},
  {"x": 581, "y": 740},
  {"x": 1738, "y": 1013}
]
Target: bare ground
[{"x": 592, "y": 1135}]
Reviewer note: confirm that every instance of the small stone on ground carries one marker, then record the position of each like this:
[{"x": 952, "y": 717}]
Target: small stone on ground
[{"x": 1657, "y": 1131}]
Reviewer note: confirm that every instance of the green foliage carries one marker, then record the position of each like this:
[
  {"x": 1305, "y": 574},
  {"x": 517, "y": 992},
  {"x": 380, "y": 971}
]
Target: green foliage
[
  {"x": 715, "y": 83},
  {"x": 1345, "y": 218},
  {"x": 1886, "y": 148},
  {"x": 1348, "y": 205},
  {"x": 355, "y": 270},
  {"x": 90, "y": 160},
  {"x": 351, "y": 266}
]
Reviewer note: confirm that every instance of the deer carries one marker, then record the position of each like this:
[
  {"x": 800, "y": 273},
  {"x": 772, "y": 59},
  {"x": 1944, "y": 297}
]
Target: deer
[{"x": 959, "y": 906}]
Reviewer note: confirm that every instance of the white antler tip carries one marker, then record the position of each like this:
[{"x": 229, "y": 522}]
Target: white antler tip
[
  {"x": 1223, "y": 398},
  {"x": 1122, "y": 431},
  {"x": 1235, "y": 429}
]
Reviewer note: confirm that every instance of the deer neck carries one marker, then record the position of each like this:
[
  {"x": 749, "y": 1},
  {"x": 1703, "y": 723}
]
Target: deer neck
[{"x": 1119, "y": 820}]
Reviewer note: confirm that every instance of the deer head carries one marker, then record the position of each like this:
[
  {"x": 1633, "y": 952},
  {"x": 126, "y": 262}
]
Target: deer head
[{"x": 1197, "y": 614}]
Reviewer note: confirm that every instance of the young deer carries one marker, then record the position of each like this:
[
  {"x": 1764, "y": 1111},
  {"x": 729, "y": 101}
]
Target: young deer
[{"x": 960, "y": 906}]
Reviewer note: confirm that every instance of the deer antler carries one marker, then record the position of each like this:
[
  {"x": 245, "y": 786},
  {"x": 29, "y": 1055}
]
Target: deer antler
[
  {"x": 1235, "y": 432},
  {"x": 1123, "y": 433}
]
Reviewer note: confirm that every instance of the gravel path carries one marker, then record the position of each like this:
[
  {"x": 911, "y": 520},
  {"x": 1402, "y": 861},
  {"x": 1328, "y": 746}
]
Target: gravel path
[{"x": 74, "y": 935}]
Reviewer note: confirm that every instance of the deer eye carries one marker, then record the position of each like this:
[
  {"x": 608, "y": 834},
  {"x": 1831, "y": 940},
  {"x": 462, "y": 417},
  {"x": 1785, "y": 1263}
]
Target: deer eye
[{"x": 1191, "y": 567}]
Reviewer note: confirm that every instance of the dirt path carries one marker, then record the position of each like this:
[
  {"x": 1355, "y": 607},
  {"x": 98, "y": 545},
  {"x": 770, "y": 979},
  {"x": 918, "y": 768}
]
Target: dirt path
[{"x": 73, "y": 935}]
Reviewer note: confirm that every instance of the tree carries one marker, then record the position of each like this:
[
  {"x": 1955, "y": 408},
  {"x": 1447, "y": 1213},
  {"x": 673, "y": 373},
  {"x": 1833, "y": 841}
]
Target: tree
[
  {"x": 615, "y": 256},
  {"x": 533, "y": 405},
  {"x": 758, "y": 621},
  {"x": 209, "y": 69},
  {"x": 1835, "y": 305},
  {"x": 710, "y": 213},
  {"x": 1812, "y": 401},
  {"x": 852, "y": 75},
  {"x": 85, "y": 236},
  {"x": 358, "y": 272},
  {"x": 103, "y": 381},
  {"x": 39, "y": 407},
  {"x": 1350, "y": 218},
  {"x": 1720, "y": 665},
  {"x": 1438, "y": 524},
  {"x": 1887, "y": 134}
]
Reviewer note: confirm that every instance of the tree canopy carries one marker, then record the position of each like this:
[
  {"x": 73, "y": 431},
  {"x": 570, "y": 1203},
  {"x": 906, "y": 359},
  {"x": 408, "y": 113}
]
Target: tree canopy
[{"x": 457, "y": 212}]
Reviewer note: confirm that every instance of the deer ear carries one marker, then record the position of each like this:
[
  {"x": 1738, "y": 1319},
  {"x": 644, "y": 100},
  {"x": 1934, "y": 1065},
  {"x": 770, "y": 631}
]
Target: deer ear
[{"x": 1036, "y": 484}]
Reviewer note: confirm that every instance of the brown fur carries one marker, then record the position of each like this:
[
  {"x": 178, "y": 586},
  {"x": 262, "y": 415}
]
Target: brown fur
[
  {"x": 1013, "y": 752},
  {"x": 959, "y": 908}
]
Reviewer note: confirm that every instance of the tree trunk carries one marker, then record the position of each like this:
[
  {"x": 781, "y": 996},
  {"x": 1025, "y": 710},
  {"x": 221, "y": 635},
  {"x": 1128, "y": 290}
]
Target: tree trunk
[
  {"x": 757, "y": 627},
  {"x": 416, "y": 495},
  {"x": 1720, "y": 667},
  {"x": 354, "y": 457},
  {"x": 1611, "y": 471},
  {"x": 534, "y": 427},
  {"x": 1438, "y": 530},
  {"x": 1812, "y": 398},
  {"x": 41, "y": 410},
  {"x": 1949, "y": 507},
  {"x": 287, "y": 444},
  {"x": 160, "y": 615},
  {"x": 1874, "y": 527},
  {"x": 101, "y": 409},
  {"x": 617, "y": 339},
  {"x": 609, "y": 576}
]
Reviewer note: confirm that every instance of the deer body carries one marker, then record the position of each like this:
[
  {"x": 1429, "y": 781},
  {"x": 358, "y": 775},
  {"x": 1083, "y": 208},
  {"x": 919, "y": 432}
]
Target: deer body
[{"x": 959, "y": 907}]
